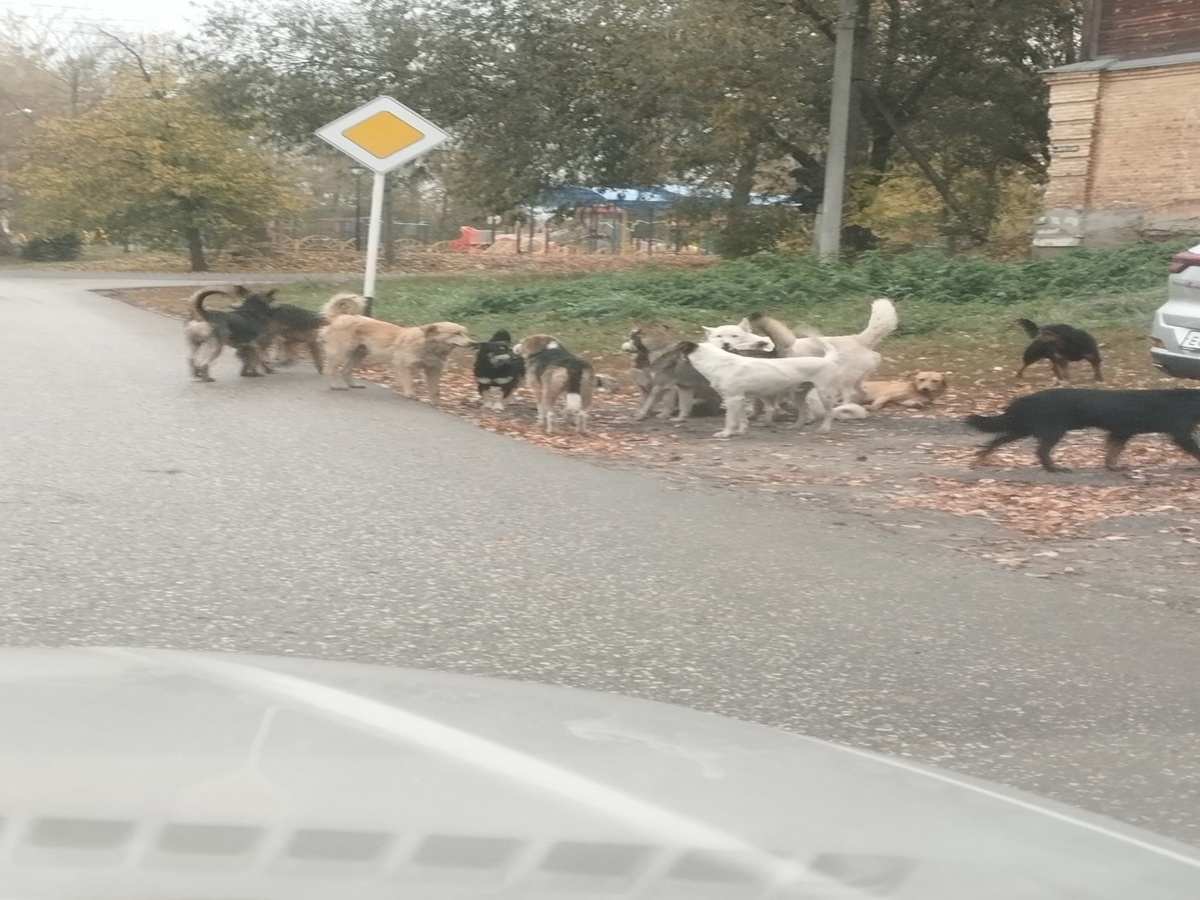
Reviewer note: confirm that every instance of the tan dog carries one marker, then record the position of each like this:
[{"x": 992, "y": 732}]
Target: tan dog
[
  {"x": 553, "y": 371},
  {"x": 351, "y": 340},
  {"x": 918, "y": 391}
]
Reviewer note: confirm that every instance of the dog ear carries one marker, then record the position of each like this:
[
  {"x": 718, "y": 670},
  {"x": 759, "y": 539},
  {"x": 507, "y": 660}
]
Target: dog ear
[
  {"x": 240, "y": 290},
  {"x": 745, "y": 325},
  {"x": 269, "y": 296},
  {"x": 708, "y": 330}
]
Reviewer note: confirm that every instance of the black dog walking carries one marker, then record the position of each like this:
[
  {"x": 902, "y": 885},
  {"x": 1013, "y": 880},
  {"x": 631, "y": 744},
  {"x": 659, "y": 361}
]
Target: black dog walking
[
  {"x": 1048, "y": 415},
  {"x": 1061, "y": 344}
]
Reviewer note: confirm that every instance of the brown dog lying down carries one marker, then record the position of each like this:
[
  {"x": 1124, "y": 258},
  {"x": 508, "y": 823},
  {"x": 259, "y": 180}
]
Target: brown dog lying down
[{"x": 919, "y": 390}]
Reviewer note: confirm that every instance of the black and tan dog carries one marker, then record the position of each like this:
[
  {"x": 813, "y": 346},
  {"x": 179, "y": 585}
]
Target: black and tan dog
[
  {"x": 1048, "y": 415},
  {"x": 498, "y": 370},
  {"x": 288, "y": 328},
  {"x": 1061, "y": 344},
  {"x": 209, "y": 331},
  {"x": 554, "y": 371}
]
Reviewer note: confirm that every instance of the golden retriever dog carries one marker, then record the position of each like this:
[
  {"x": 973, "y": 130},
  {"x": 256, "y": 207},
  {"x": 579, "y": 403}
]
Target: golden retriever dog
[
  {"x": 351, "y": 340},
  {"x": 919, "y": 390},
  {"x": 552, "y": 371}
]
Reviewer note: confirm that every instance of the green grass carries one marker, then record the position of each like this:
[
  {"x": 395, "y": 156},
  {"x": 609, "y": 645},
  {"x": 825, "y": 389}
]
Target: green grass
[{"x": 1111, "y": 289}]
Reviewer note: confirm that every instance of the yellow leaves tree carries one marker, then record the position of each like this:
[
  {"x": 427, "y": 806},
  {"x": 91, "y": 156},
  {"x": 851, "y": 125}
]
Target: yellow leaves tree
[{"x": 152, "y": 164}]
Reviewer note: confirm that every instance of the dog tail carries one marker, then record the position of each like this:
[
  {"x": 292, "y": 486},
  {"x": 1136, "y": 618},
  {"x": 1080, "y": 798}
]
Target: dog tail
[
  {"x": 1031, "y": 328},
  {"x": 782, "y": 336},
  {"x": 883, "y": 321},
  {"x": 574, "y": 369},
  {"x": 989, "y": 424},
  {"x": 344, "y": 305},
  {"x": 196, "y": 304},
  {"x": 849, "y": 411}
]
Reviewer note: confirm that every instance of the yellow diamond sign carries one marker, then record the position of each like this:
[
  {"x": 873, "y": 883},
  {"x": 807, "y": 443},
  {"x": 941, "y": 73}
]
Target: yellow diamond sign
[{"x": 383, "y": 134}]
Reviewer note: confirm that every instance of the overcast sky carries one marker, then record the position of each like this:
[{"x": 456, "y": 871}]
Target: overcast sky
[{"x": 129, "y": 15}]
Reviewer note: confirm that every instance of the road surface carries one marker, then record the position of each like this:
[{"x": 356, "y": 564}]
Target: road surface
[{"x": 275, "y": 516}]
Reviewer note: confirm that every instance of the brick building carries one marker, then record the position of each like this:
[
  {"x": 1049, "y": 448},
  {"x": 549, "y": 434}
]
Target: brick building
[{"x": 1125, "y": 128}]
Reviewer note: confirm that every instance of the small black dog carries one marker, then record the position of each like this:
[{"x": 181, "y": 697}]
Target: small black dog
[
  {"x": 1049, "y": 415},
  {"x": 497, "y": 366},
  {"x": 208, "y": 331},
  {"x": 1061, "y": 344}
]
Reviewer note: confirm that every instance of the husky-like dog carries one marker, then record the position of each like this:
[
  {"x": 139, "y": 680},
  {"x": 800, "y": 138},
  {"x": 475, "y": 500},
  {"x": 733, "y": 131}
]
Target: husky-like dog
[
  {"x": 674, "y": 382},
  {"x": 498, "y": 370},
  {"x": 209, "y": 331},
  {"x": 554, "y": 371},
  {"x": 739, "y": 379}
]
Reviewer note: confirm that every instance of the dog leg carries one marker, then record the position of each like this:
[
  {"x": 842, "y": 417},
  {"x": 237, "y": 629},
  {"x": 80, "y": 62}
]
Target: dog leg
[
  {"x": 318, "y": 358},
  {"x": 735, "y": 417},
  {"x": 826, "y": 405},
  {"x": 356, "y": 356},
  {"x": 1095, "y": 362},
  {"x": 203, "y": 355},
  {"x": 433, "y": 381},
  {"x": 1061, "y": 375},
  {"x": 403, "y": 376},
  {"x": 652, "y": 397},
  {"x": 995, "y": 443},
  {"x": 669, "y": 403},
  {"x": 1046, "y": 441},
  {"x": 687, "y": 400},
  {"x": 250, "y": 362},
  {"x": 1187, "y": 443},
  {"x": 1114, "y": 445}
]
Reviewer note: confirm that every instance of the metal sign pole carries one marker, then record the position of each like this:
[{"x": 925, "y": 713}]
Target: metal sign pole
[
  {"x": 374, "y": 229},
  {"x": 829, "y": 229},
  {"x": 380, "y": 135}
]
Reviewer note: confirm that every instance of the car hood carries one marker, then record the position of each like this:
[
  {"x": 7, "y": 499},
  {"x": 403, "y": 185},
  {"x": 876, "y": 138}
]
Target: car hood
[{"x": 155, "y": 775}]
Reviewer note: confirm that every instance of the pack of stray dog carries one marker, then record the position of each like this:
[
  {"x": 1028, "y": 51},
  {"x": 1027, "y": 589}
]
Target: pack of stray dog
[{"x": 733, "y": 367}]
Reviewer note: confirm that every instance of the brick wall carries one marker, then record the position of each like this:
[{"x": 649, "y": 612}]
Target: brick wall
[
  {"x": 1139, "y": 29},
  {"x": 1125, "y": 156},
  {"x": 1147, "y": 146}
]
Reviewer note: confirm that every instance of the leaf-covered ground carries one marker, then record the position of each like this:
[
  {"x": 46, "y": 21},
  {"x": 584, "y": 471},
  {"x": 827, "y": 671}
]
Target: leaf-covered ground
[{"x": 1128, "y": 534}]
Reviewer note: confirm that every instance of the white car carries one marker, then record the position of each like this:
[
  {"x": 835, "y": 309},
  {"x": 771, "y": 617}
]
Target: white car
[
  {"x": 168, "y": 775},
  {"x": 1175, "y": 334}
]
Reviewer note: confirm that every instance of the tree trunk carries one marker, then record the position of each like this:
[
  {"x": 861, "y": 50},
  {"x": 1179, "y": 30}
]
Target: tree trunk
[
  {"x": 743, "y": 185},
  {"x": 195, "y": 245}
]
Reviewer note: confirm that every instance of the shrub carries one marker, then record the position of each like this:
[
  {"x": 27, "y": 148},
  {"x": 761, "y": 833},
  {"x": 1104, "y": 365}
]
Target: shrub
[{"x": 56, "y": 248}]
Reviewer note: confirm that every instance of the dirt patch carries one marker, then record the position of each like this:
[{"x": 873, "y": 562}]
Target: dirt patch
[{"x": 1131, "y": 534}]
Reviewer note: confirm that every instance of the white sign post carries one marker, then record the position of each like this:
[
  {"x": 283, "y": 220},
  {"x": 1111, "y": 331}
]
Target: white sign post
[{"x": 381, "y": 135}]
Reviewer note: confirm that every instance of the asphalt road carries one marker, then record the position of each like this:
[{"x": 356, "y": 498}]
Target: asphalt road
[{"x": 275, "y": 516}]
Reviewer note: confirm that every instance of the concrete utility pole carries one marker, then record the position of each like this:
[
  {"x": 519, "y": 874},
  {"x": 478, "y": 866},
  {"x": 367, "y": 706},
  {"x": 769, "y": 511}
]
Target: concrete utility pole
[{"x": 829, "y": 229}]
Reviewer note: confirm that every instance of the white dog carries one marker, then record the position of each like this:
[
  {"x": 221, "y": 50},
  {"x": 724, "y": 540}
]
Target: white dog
[
  {"x": 739, "y": 379},
  {"x": 738, "y": 338},
  {"x": 859, "y": 358}
]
